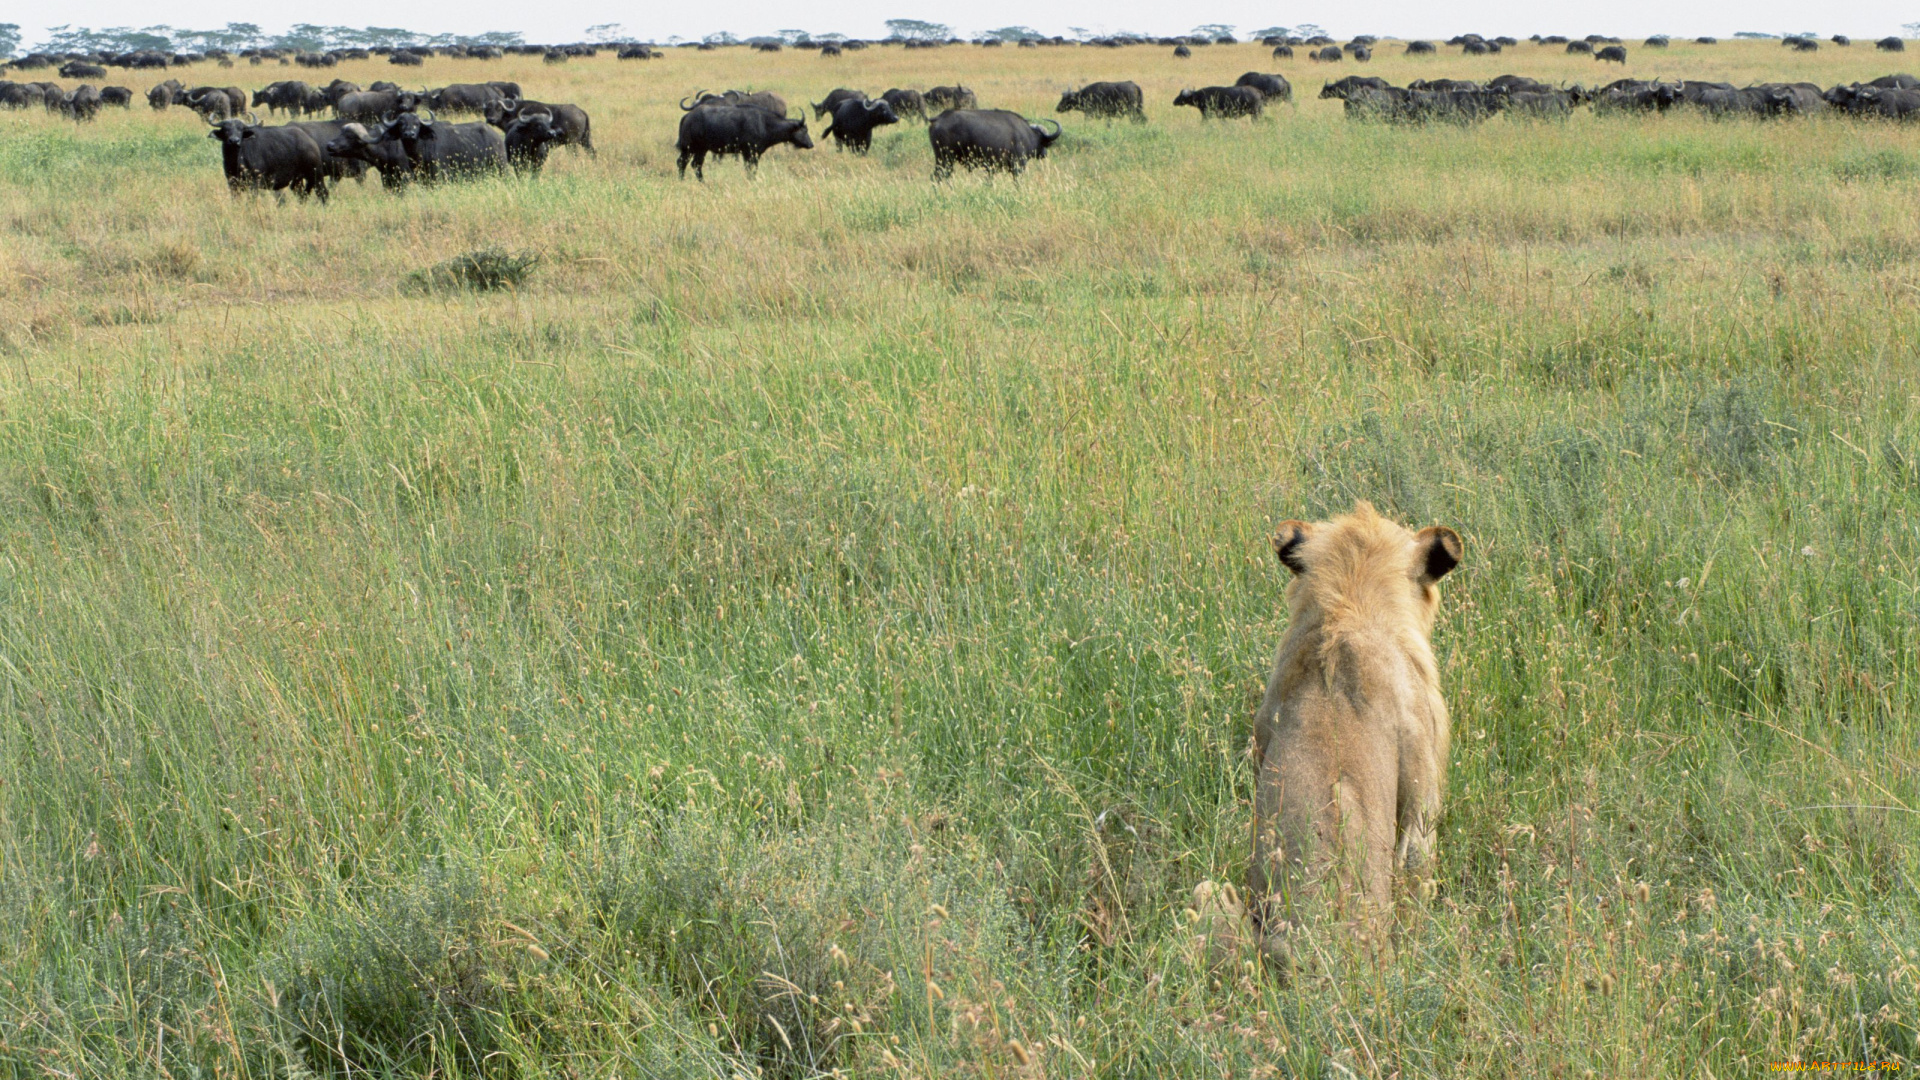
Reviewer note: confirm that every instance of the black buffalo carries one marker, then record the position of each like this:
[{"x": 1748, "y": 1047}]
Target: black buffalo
[
  {"x": 171, "y": 92},
  {"x": 116, "y": 95},
  {"x": 1344, "y": 88},
  {"x": 289, "y": 96},
  {"x": 437, "y": 150},
  {"x": 333, "y": 166},
  {"x": 1271, "y": 87},
  {"x": 824, "y": 108},
  {"x": 1181, "y": 52},
  {"x": 906, "y": 103},
  {"x": 1106, "y": 100},
  {"x": 990, "y": 139},
  {"x": 1580, "y": 46},
  {"x": 854, "y": 121},
  {"x": 1615, "y": 53},
  {"x": 83, "y": 104},
  {"x": 357, "y": 144},
  {"x": 269, "y": 158},
  {"x": 951, "y": 97},
  {"x": 571, "y": 121},
  {"x": 1420, "y": 48},
  {"x": 746, "y": 130},
  {"x": 1223, "y": 101},
  {"x": 463, "y": 97},
  {"x": 80, "y": 69},
  {"x": 1890, "y": 44},
  {"x": 765, "y": 100},
  {"x": 368, "y": 106},
  {"x": 530, "y": 137},
  {"x": 1283, "y": 52}
]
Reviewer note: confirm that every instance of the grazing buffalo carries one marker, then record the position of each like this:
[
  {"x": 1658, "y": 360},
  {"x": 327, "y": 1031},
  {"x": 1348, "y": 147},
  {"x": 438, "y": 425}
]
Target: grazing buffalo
[
  {"x": 368, "y": 106},
  {"x": 1580, "y": 47},
  {"x": 1896, "y": 82},
  {"x": 1283, "y": 52},
  {"x": 1421, "y": 48},
  {"x": 765, "y": 100},
  {"x": 1657, "y": 41},
  {"x": 951, "y": 97},
  {"x": 80, "y": 69},
  {"x": 990, "y": 139},
  {"x": 1106, "y": 100},
  {"x": 829, "y": 50},
  {"x": 854, "y": 121},
  {"x": 1890, "y": 44},
  {"x": 1513, "y": 83},
  {"x": 1541, "y": 104},
  {"x": 1615, "y": 53},
  {"x": 412, "y": 59},
  {"x": 571, "y": 121},
  {"x": 338, "y": 89},
  {"x": 289, "y": 96},
  {"x": 1887, "y": 104},
  {"x": 1223, "y": 101},
  {"x": 437, "y": 150},
  {"x": 1344, "y": 88},
  {"x": 1628, "y": 95},
  {"x": 1271, "y": 87},
  {"x": 171, "y": 92},
  {"x": 824, "y": 108},
  {"x": 1841, "y": 40},
  {"x": 747, "y": 130},
  {"x": 120, "y": 96},
  {"x": 1361, "y": 54},
  {"x": 1181, "y": 52},
  {"x": 1329, "y": 55},
  {"x": 256, "y": 157},
  {"x": 906, "y": 103},
  {"x": 463, "y": 97}
]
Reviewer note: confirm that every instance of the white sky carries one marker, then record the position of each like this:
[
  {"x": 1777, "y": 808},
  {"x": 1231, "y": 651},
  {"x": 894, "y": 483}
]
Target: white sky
[{"x": 567, "y": 20}]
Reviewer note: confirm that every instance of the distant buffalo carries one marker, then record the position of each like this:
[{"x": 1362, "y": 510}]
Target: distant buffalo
[
  {"x": 1223, "y": 101},
  {"x": 854, "y": 121},
  {"x": 906, "y": 103},
  {"x": 990, "y": 139},
  {"x": 1421, "y": 48},
  {"x": 1106, "y": 100},
  {"x": 951, "y": 97},
  {"x": 571, "y": 122},
  {"x": 824, "y": 107},
  {"x": 1271, "y": 87},
  {"x": 1615, "y": 53}
]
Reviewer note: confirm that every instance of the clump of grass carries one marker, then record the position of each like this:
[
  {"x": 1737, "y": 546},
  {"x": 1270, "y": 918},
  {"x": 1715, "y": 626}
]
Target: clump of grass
[
  {"x": 485, "y": 270},
  {"x": 1879, "y": 163},
  {"x": 407, "y": 979}
]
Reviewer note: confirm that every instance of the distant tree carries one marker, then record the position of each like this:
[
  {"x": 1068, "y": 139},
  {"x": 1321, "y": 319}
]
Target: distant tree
[
  {"x": 1014, "y": 33},
  {"x": 1755, "y": 35},
  {"x": 792, "y": 37},
  {"x": 9, "y": 38},
  {"x": 833, "y": 38},
  {"x": 1309, "y": 30},
  {"x": 611, "y": 31},
  {"x": 111, "y": 39},
  {"x": 918, "y": 30},
  {"x": 1912, "y": 28},
  {"x": 1080, "y": 33},
  {"x": 721, "y": 38},
  {"x": 1213, "y": 30},
  {"x": 1270, "y": 31}
]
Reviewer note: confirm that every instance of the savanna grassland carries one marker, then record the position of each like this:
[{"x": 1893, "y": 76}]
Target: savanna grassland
[{"x": 812, "y": 624}]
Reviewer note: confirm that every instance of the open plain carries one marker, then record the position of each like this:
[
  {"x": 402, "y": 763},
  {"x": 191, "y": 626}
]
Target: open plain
[{"x": 812, "y": 623}]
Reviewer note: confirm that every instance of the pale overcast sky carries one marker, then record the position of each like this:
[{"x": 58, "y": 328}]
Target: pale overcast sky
[{"x": 567, "y": 20}]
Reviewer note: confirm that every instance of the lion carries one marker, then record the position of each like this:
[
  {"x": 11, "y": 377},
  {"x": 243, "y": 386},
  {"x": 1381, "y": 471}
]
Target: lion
[{"x": 1350, "y": 741}]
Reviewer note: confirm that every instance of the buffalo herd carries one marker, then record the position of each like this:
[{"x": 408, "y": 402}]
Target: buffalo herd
[
  {"x": 1895, "y": 97},
  {"x": 340, "y": 130}
]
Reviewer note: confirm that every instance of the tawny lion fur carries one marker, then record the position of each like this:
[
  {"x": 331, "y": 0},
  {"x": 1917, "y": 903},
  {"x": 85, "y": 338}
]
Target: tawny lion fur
[{"x": 1350, "y": 743}]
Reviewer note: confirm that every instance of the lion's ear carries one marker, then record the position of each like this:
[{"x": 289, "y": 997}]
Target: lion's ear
[
  {"x": 1287, "y": 539},
  {"x": 1437, "y": 550}
]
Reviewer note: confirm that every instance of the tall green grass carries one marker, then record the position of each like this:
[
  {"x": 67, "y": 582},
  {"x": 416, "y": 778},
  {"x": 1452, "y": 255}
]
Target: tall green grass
[{"x": 813, "y": 624}]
